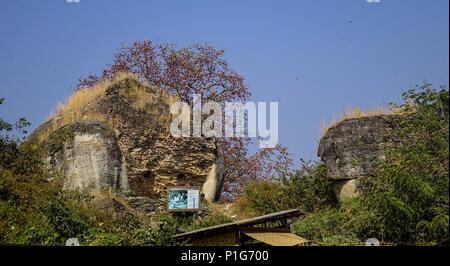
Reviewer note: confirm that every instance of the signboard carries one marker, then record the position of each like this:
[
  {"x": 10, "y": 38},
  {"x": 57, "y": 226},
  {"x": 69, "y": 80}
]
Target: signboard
[{"x": 183, "y": 198}]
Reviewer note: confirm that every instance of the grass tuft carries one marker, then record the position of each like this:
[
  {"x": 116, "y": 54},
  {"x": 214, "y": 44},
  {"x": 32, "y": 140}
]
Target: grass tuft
[
  {"x": 74, "y": 107},
  {"x": 356, "y": 112}
]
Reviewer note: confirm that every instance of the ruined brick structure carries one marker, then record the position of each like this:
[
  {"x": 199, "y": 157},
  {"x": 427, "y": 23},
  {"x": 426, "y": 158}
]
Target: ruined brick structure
[{"x": 138, "y": 118}]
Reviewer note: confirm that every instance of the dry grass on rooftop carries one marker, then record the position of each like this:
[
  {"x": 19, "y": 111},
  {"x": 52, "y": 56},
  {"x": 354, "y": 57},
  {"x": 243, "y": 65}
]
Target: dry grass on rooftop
[
  {"x": 74, "y": 107},
  {"x": 356, "y": 112}
]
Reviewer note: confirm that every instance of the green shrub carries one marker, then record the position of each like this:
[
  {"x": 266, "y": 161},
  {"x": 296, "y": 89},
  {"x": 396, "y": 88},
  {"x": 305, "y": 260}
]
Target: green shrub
[
  {"x": 213, "y": 218},
  {"x": 68, "y": 214},
  {"x": 307, "y": 189},
  {"x": 33, "y": 208},
  {"x": 261, "y": 198},
  {"x": 158, "y": 230},
  {"x": 410, "y": 191},
  {"x": 326, "y": 227}
]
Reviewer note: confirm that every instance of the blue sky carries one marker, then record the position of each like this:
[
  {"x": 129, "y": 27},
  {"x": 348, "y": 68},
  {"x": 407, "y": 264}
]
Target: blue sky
[{"x": 315, "y": 57}]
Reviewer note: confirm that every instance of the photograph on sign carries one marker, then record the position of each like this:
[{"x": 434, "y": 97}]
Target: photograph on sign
[{"x": 183, "y": 198}]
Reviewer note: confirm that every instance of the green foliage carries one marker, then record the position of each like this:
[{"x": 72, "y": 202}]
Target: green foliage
[
  {"x": 19, "y": 125},
  {"x": 34, "y": 210},
  {"x": 24, "y": 191},
  {"x": 310, "y": 189},
  {"x": 326, "y": 227},
  {"x": 407, "y": 200},
  {"x": 213, "y": 218},
  {"x": 68, "y": 215},
  {"x": 261, "y": 198},
  {"x": 410, "y": 192},
  {"x": 4, "y": 125},
  {"x": 307, "y": 188},
  {"x": 160, "y": 229}
]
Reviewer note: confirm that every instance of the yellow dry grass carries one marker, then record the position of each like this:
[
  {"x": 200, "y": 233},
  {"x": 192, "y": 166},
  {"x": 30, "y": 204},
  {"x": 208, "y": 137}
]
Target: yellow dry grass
[
  {"x": 140, "y": 97},
  {"x": 222, "y": 208},
  {"x": 74, "y": 107},
  {"x": 85, "y": 96},
  {"x": 356, "y": 112}
]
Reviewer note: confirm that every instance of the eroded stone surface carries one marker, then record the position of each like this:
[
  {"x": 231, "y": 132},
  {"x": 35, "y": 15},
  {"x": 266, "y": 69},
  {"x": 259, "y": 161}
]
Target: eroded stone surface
[
  {"x": 88, "y": 156},
  {"x": 153, "y": 158},
  {"x": 350, "y": 148}
]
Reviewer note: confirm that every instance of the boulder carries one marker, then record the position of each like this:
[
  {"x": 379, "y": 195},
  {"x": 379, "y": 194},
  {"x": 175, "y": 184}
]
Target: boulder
[
  {"x": 351, "y": 147},
  {"x": 139, "y": 153},
  {"x": 87, "y": 155}
]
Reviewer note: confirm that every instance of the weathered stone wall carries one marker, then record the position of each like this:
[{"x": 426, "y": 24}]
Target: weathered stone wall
[
  {"x": 153, "y": 158},
  {"x": 87, "y": 155},
  {"x": 349, "y": 148}
]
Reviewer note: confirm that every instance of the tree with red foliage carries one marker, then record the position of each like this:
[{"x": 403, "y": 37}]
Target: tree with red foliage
[
  {"x": 199, "y": 69},
  {"x": 269, "y": 164}
]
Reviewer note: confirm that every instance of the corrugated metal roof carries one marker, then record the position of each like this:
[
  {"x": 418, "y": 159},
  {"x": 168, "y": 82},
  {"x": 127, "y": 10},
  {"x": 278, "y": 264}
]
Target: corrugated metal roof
[
  {"x": 246, "y": 222},
  {"x": 277, "y": 239}
]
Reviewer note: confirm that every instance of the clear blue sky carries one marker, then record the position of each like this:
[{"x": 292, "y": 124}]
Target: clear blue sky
[{"x": 316, "y": 57}]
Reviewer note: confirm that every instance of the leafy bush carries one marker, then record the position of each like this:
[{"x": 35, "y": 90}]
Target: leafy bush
[
  {"x": 24, "y": 191},
  {"x": 33, "y": 208},
  {"x": 405, "y": 202},
  {"x": 212, "y": 219},
  {"x": 158, "y": 231},
  {"x": 307, "y": 189},
  {"x": 326, "y": 227},
  {"x": 68, "y": 214},
  {"x": 410, "y": 192},
  {"x": 261, "y": 198}
]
